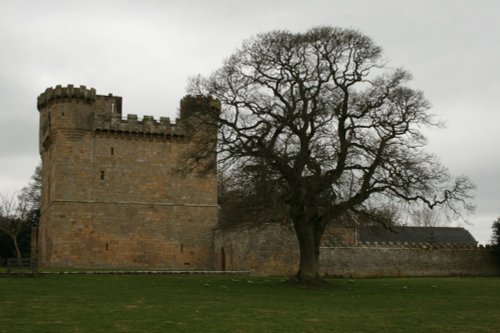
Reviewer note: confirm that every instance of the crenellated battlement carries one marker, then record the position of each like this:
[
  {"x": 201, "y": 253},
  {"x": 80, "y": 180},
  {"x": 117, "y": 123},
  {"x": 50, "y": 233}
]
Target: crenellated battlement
[
  {"x": 148, "y": 125},
  {"x": 103, "y": 114},
  {"x": 60, "y": 93},
  {"x": 415, "y": 245}
]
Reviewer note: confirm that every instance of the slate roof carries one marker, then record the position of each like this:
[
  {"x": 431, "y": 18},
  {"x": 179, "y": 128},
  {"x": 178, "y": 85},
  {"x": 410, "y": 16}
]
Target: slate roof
[{"x": 403, "y": 234}]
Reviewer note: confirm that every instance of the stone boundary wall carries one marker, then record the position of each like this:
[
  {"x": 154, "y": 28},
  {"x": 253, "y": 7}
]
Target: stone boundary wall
[
  {"x": 265, "y": 250},
  {"x": 273, "y": 250},
  {"x": 374, "y": 261}
]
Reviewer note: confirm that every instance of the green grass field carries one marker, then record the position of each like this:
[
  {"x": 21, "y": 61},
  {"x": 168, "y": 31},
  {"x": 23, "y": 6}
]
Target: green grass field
[{"x": 162, "y": 303}]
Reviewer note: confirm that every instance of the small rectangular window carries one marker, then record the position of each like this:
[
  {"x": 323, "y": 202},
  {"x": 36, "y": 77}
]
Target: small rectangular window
[
  {"x": 112, "y": 151},
  {"x": 102, "y": 174}
]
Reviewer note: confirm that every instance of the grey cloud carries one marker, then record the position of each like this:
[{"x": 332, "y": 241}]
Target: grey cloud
[{"x": 144, "y": 51}]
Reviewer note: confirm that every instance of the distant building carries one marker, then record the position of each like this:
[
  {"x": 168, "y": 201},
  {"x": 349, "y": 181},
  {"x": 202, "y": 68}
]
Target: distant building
[{"x": 420, "y": 235}]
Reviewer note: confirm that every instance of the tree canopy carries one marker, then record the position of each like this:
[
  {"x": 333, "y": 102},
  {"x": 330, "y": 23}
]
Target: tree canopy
[{"x": 333, "y": 125}]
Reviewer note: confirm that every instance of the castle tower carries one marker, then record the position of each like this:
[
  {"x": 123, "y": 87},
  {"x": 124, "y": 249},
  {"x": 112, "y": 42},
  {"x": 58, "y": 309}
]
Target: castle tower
[{"x": 112, "y": 193}]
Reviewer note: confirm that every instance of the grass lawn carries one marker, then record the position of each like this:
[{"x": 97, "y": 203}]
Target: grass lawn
[{"x": 162, "y": 303}]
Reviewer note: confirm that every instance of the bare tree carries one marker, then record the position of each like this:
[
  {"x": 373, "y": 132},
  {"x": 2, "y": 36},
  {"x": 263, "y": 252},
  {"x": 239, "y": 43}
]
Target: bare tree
[
  {"x": 32, "y": 193},
  {"x": 336, "y": 127},
  {"x": 250, "y": 196},
  {"x": 425, "y": 217},
  {"x": 13, "y": 218}
]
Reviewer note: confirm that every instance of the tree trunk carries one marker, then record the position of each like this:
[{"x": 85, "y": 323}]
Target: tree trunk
[
  {"x": 309, "y": 235},
  {"x": 16, "y": 246}
]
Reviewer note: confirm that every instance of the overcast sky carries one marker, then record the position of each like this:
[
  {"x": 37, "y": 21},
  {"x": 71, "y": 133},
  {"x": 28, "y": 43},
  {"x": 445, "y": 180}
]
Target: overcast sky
[{"x": 146, "y": 50}]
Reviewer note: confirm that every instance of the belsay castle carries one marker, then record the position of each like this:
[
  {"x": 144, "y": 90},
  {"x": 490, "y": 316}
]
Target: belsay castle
[
  {"x": 116, "y": 193},
  {"x": 112, "y": 192}
]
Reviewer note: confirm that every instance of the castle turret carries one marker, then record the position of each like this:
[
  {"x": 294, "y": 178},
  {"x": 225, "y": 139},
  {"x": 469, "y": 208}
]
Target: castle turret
[
  {"x": 191, "y": 105},
  {"x": 199, "y": 117},
  {"x": 65, "y": 112}
]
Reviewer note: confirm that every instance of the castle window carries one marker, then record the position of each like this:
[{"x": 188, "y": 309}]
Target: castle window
[
  {"x": 102, "y": 174},
  {"x": 107, "y": 247},
  {"x": 112, "y": 151},
  {"x": 182, "y": 248}
]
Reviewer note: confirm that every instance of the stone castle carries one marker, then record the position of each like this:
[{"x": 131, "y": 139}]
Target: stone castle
[
  {"x": 112, "y": 192},
  {"x": 117, "y": 192}
]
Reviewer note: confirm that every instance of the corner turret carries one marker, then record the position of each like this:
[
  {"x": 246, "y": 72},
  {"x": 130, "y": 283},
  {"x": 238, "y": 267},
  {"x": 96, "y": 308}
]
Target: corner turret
[
  {"x": 199, "y": 117},
  {"x": 200, "y": 105},
  {"x": 67, "y": 94},
  {"x": 66, "y": 113}
]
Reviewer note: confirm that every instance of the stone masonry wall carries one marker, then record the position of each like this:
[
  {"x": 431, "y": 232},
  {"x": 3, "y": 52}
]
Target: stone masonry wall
[
  {"x": 274, "y": 251},
  {"x": 269, "y": 250},
  {"x": 374, "y": 261},
  {"x": 125, "y": 236}
]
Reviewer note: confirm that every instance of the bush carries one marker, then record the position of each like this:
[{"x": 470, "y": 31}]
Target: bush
[{"x": 495, "y": 238}]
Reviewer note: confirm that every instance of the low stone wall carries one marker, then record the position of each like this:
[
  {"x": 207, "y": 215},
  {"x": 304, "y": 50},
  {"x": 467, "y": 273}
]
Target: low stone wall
[
  {"x": 269, "y": 250},
  {"x": 371, "y": 261},
  {"x": 273, "y": 250}
]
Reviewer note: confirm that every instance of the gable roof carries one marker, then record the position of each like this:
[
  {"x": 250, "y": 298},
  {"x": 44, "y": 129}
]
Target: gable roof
[{"x": 402, "y": 234}]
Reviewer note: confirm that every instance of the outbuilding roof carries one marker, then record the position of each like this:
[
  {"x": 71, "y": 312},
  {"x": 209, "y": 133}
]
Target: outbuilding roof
[{"x": 403, "y": 234}]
